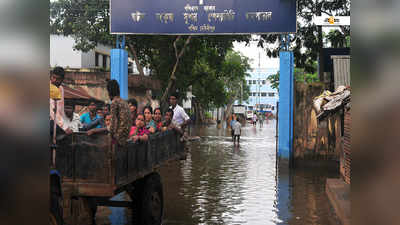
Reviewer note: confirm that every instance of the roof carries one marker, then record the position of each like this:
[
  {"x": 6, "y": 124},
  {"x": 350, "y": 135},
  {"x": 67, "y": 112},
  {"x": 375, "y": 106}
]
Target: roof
[{"x": 79, "y": 96}]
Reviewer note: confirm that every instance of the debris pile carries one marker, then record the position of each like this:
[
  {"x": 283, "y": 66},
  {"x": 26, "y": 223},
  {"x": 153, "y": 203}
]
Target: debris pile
[{"x": 329, "y": 103}]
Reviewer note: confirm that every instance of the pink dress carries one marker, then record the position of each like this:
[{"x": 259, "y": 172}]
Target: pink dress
[{"x": 139, "y": 132}]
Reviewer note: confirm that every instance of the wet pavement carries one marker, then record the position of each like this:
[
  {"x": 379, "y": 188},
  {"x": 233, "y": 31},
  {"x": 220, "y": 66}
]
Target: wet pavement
[{"x": 220, "y": 183}]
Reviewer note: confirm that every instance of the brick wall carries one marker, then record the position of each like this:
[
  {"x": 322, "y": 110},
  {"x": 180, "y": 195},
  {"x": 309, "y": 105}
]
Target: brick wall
[{"x": 314, "y": 140}]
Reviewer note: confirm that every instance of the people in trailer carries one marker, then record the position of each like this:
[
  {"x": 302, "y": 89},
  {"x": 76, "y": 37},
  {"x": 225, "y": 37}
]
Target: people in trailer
[
  {"x": 120, "y": 115},
  {"x": 71, "y": 120},
  {"x": 105, "y": 129},
  {"x": 237, "y": 130},
  {"x": 107, "y": 121},
  {"x": 157, "y": 117},
  {"x": 90, "y": 117},
  {"x": 180, "y": 117},
  {"x": 139, "y": 132},
  {"x": 148, "y": 119},
  {"x": 233, "y": 121},
  {"x": 100, "y": 113},
  {"x": 168, "y": 123},
  {"x": 56, "y": 79},
  {"x": 133, "y": 107},
  {"x": 106, "y": 109}
]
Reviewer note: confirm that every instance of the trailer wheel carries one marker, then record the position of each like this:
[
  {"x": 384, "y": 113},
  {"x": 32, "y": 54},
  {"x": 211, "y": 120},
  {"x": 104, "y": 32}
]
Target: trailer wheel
[
  {"x": 148, "y": 201},
  {"x": 83, "y": 211}
]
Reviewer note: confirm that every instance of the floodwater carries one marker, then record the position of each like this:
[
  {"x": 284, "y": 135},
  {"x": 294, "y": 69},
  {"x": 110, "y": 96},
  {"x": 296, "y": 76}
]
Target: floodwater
[{"x": 220, "y": 183}]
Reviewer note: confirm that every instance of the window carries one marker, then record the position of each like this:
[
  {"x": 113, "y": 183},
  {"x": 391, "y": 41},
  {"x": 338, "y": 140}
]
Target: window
[
  {"x": 254, "y": 82},
  {"x": 271, "y": 94},
  {"x": 263, "y": 82},
  {"x": 96, "y": 59},
  {"x": 250, "y": 107},
  {"x": 104, "y": 61},
  {"x": 263, "y": 94},
  {"x": 249, "y": 82}
]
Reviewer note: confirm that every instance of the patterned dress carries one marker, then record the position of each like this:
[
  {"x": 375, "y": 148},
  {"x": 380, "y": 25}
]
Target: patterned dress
[
  {"x": 120, "y": 120},
  {"x": 139, "y": 132}
]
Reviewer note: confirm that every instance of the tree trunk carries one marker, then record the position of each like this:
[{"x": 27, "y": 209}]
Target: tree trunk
[
  {"x": 134, "y": 53},
  {"x": 198, "y": 112},
  {"x": 228, "y": 112},
  {"x": 171, "y": 82}
]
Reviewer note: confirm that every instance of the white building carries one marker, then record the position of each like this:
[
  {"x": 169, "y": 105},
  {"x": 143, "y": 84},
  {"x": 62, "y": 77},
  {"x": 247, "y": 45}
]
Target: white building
[
  {"x": 63, "y": 54},
  {"x": 262, "y": 96}
]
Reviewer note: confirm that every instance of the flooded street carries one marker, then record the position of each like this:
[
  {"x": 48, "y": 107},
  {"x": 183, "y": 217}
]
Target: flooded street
[{"x": 220, "y": 183}]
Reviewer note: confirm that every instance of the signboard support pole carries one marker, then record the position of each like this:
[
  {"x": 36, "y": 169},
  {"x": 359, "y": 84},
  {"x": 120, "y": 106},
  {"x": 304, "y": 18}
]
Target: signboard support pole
[
  {"x": 119, "y": 66},
  {"x": 285, "y": 116}
]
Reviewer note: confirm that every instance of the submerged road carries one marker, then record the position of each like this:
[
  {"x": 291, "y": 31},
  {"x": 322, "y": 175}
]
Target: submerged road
[{"x": 220, "y": 183}]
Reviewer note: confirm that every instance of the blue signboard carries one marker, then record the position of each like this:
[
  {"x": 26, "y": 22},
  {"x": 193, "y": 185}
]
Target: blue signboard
[{"x": 202, "y": 16}]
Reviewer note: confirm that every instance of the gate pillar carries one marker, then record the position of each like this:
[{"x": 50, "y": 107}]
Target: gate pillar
[
  {"x": 119, "y": 66},
  {"x": 285, "y": 116}
]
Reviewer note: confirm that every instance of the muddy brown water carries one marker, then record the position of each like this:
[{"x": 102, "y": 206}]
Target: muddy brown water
[{"x": 220, "y": 183}]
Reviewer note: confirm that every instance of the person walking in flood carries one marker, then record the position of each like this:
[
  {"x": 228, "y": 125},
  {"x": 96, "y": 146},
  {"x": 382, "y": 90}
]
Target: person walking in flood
[
  {"x": 261, "y": 119},
  {"x": 233, "y": 121},
  {"x": 237, "y": 130},
  {"x": 254, "y": 119}
]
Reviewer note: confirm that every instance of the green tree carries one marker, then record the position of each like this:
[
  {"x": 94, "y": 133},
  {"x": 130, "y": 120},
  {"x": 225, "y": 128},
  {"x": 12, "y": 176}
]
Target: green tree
[
  {"x": 299, "y": 75},
  {"x": 235, "y": 69},
  {"x": 338, "y": 39},
  {"x": 307, "y": 43},
  {"x": 218, "y": 85}
]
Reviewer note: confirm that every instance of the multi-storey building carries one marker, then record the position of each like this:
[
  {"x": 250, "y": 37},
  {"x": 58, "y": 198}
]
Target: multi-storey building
[{"x": 262, "y": 96}]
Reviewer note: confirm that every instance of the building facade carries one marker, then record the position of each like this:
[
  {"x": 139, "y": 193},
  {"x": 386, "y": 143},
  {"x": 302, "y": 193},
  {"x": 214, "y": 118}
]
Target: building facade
[
  {"x": 63, "y": 54},
  {"x": 262, "y": 96}
]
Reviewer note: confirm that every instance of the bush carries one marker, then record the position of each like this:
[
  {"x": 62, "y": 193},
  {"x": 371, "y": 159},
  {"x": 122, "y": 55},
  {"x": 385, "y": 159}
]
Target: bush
[{"x": 208, "y": 115}]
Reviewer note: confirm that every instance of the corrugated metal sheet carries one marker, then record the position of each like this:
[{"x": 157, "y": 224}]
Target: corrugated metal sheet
[
  {"x": 345, "y": 157},
  {"x": 341, "y": 70}
]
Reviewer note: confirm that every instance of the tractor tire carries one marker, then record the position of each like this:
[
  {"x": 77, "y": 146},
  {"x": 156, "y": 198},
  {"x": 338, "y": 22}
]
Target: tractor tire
[
  {"x": 83, "y": 211},
  {"x": 147, "y": 201}
]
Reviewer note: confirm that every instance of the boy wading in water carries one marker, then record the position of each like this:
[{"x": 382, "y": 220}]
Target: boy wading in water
[{"x": 237, "y": 129}]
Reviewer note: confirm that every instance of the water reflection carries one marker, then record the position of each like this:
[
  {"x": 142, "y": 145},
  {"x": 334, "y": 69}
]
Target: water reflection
[
  {"x": 227, "y": 184},
  {"x": 220, "y": 183}
]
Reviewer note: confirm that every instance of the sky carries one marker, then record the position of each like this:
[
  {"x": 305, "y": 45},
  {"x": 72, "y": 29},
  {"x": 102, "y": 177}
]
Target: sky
[{"x": 253, "y": 52}]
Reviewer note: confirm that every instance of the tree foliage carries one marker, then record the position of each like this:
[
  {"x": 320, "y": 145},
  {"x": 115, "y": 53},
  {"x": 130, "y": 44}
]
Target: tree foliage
[
  {"x": 299, "y": 75},
  {"x": 220, "y": 85},
  {"x": 308, "y": 41}
]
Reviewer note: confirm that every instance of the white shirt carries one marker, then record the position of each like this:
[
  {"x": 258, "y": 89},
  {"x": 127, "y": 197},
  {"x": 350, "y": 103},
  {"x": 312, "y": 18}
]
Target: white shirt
[
  {"x": 73, "y": 124},
  {"x": 180, "y": 115},
  {"x": 236, "y": 128}
]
